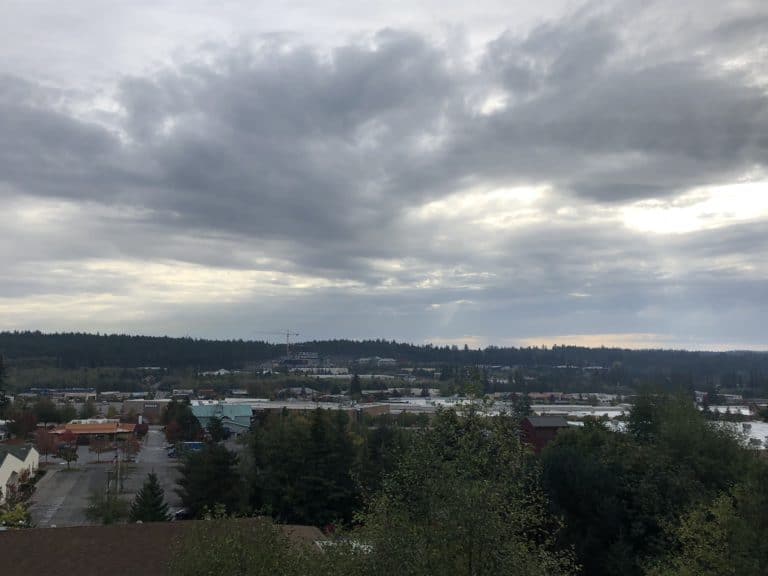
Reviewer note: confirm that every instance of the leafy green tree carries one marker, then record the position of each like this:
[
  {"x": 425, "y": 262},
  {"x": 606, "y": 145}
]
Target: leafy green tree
[
  {"x": 618, "y": 493},
  {"x": 68, "y": 412},
  {"x": 727, "y": 536},
  {"x": 208, "y": 478},
  {"x": 252, "y": 547},
  {"x": 16, "y": 516},
  {"x": 149, "y": 504},
  {"x": 521, "y": 406},
  {"x": 68, "y": 454},
  {"x": 46, "y": 411},
  {"x": 464, "y": 499}
]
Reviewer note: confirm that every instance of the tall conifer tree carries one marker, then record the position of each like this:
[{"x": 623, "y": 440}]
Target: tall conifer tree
[{"x": 150, "y": 505}]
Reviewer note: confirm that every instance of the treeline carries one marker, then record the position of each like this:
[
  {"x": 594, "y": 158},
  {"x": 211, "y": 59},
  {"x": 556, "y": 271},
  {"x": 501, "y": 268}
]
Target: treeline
[
  {"x": 461, "y": 495},
  {"x": 314, "y": 468},
  {"x": 674, "y": 495},
  {"x": 76, "y": 350}
]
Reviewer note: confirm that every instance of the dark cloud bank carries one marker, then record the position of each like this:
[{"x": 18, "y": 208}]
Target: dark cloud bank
[{"x": 349, "y": 166}]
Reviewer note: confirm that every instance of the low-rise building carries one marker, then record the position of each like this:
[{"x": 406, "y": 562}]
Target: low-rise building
[
  {"x": 538, "y": 431},
  {"x": 16, "y": 462},
  {"x": 235, "y": 417},
  {"x": 151, "y": 411},
  {"x": 87, "y": 430}
]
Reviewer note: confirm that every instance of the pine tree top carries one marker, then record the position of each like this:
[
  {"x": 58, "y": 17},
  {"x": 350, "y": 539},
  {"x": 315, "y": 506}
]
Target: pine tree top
[{"x": 149, "y": 504}]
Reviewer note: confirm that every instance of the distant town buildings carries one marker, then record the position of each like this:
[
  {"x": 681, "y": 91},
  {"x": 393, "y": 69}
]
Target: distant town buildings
[{"x": 379, "y": 362}]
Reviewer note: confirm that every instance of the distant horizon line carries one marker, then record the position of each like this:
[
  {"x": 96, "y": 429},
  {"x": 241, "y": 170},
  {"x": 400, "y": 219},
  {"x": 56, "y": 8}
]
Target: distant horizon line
[{"x": 454, "y": 342}]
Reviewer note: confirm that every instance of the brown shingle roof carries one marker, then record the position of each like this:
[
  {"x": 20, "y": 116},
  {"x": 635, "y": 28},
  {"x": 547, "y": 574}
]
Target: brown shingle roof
[{"x": 117, "y": 550}]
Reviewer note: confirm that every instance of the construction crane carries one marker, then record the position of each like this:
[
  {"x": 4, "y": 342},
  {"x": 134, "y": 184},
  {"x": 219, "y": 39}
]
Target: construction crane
[{"x": 287, "y": 334}]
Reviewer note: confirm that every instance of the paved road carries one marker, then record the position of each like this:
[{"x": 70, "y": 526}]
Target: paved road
[
  {"x": 62, "y": 495},
  {"x": 154, "y": 458}
]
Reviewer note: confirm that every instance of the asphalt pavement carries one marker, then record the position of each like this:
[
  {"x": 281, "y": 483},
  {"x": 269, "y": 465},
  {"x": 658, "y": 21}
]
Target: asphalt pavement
[{"x": 62, "y": 495}]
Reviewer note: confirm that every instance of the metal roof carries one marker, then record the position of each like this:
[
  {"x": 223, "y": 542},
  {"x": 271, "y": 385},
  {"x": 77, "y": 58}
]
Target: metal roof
[{"x": 548, "y": 421}]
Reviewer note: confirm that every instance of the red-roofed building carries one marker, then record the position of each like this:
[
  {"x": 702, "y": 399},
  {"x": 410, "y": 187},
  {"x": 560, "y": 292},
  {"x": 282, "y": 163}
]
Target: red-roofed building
[
  {"x": 87, "y": 430},
  {"x": 538, "y": 431}
]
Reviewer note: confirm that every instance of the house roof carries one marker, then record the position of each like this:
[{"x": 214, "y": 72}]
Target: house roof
[
  {"x": 19, "y": 451},
  {"x": 108, "y": 428},
  {"x": 547, "y": 421},
  {"x": 121, "y": 549}
]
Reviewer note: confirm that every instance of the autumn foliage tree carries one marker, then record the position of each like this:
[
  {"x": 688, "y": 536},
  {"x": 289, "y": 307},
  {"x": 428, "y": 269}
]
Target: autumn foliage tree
[
  {"x": 130, "y": 448},
  {"x": 99, "y": 446},
  {"x": 172, "y": 432},
  {"x": 45, "y": 442}
]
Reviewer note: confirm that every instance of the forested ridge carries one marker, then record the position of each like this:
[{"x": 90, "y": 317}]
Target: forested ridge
[{"x": 75, "y": 350}]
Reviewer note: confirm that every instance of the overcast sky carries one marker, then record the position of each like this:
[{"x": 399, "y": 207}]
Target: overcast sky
[{"x": 512, "y": 173}]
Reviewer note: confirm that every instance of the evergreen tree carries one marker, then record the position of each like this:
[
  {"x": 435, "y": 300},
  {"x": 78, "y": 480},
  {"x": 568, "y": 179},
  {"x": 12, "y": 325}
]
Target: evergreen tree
[
  {"x": 355, "y": 389},
  {"x": 464, "y": 498},
  {"x": 149, "y": 504},
  {"x": 521, "y": 406},
  {"x": 4, "y": 402},
  {"x": 216, "y": 429},
  {"x": 209, "y": 478}
]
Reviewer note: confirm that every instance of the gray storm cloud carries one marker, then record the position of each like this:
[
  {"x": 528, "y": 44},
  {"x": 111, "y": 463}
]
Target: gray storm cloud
[{"x": 560, "y": 182}]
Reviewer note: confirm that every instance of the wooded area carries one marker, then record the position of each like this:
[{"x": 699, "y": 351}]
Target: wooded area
[{"x": 673, "y": 495}]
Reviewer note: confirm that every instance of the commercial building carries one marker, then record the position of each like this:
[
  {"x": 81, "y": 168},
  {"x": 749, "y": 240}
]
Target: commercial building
[
  {"x": 87, "y": 430},
  {"x": 151, "y": 411},
  {"x": 235, "y": 417}
]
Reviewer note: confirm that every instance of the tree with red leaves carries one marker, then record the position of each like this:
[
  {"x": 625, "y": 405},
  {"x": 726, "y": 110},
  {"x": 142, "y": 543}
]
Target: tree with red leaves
[
  {"x": 68, "y": 452},
  {"x": 173, "y": 432},
  {"x": 45, "y": 442}
]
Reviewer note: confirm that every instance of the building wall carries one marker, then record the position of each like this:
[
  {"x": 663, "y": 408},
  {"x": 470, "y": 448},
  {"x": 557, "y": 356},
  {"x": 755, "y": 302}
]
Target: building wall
[
  {"x": 9, "y": 465},
  {"x": 32, "y": 462},
  {"x": 538, "y": 437},
  {"x": 12, "y": 464}
]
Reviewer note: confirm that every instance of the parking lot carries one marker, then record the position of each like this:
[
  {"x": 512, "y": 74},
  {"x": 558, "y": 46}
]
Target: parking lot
[{"x": 62, "y": 495}]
